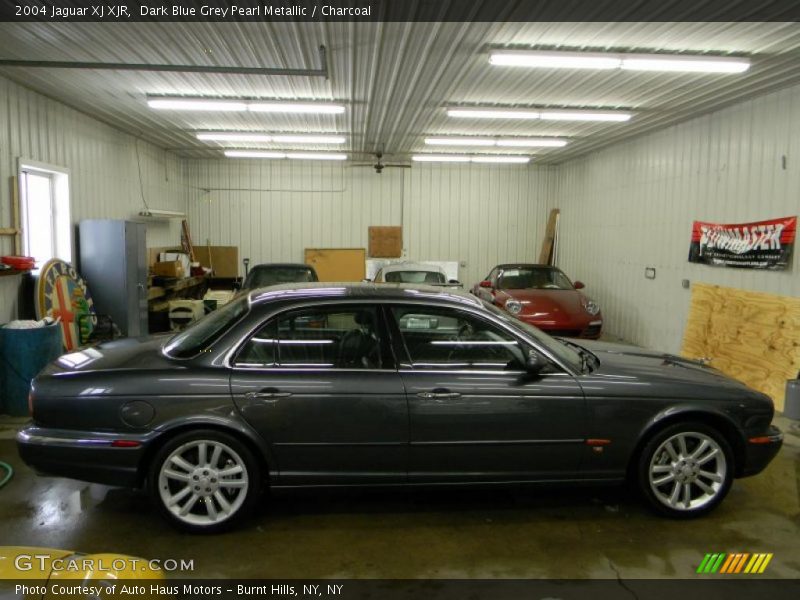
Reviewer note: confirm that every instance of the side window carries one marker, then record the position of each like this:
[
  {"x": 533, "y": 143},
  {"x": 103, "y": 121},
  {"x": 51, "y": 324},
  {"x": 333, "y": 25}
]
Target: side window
[
  {"x": 450, "y": 339},
  {"x": 332, "y": 337}
]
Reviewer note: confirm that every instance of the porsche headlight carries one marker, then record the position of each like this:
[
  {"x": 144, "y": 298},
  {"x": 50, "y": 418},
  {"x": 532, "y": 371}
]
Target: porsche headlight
[
  {"x": 591, "y": 307},
  {"x": 513, "y": 307}
]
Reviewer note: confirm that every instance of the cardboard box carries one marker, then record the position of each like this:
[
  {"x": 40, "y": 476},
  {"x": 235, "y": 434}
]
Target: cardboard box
[{"x": 171, "y": 268}]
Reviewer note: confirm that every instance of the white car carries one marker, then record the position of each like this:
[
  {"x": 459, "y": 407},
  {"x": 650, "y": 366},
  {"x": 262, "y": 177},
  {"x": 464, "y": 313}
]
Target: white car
[{"x": 411, "y": 272}]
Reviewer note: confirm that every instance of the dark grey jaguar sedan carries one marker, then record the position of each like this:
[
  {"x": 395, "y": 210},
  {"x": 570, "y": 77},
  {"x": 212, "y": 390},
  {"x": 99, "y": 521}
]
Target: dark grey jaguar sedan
[{"x": 382, "y": 385}]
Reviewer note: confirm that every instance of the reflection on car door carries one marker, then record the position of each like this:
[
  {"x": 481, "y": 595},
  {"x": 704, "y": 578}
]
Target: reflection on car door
[
  {"x": 475, "y": 414},
  {"x": 320, "y": 385}
]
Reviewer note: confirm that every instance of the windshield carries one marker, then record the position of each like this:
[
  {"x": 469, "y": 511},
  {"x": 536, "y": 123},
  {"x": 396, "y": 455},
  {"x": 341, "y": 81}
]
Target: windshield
[
  {"x": 263, "y": 277},
  {"x": 206, "y": 331},
  {"x": 559, "y": 349},
  {"x": 414, "y": 277},
  {"x": 533, "y": 278}
]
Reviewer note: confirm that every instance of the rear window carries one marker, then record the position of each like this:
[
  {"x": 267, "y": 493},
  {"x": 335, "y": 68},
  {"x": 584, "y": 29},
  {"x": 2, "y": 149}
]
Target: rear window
[
  {"x": 192, "y": 340},
  {"x": 277, "y": 275},
  {"x": 414, "y": 277}
]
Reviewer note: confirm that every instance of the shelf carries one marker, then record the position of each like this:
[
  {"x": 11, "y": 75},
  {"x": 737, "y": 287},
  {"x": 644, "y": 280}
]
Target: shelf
[{"x": 5, "y": 272}]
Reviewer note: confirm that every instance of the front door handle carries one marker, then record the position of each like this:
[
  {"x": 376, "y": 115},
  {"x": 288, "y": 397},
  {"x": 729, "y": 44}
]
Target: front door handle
[
  {"x": 439, "y": 394},
  {"x": 269, "y": 394}
]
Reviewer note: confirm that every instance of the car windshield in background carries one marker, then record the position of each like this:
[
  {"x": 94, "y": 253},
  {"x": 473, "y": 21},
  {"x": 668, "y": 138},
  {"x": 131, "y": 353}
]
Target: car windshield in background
[
  {"x": 414, "y": 277},
  {"x": 204, "y": 332},
  {"x": 533, "y": 278},
  {"x": 559, "y": 349},
  {"x": 277, "y": 275}
]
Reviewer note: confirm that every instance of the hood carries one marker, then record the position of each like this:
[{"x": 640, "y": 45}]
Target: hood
[
  {"x": 127, "y": 353},
  {"x": 569, "y": 302},
  {"x": 624, "y": 359}
]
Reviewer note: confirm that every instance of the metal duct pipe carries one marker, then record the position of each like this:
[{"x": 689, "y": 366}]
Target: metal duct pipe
[{"x": 60, "y": 64}]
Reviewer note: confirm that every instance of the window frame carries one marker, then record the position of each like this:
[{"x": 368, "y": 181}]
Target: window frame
[
  {"x": 406, "y": 362},
  {"x": 388, "y": 355},
  {"x": 60, "y": 206}
]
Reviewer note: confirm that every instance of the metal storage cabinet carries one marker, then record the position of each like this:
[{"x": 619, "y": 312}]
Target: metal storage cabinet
[{"x": 113, "y": 261}]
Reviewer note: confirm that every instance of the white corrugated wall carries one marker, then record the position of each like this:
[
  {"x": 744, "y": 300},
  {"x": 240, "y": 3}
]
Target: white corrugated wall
[
  {"x": 274, "y": 210},
  {"x": 632, "y": 205},
  {"x": 102, "y": 162}
]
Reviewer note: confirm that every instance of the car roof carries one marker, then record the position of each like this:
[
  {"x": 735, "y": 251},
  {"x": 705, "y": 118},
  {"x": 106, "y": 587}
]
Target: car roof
[
  {"x": 280, "y": 266},
  {"x": 525, "y": 266},
  {"x": 360, "y": 291},
  {"x": 411, "y": 266}
]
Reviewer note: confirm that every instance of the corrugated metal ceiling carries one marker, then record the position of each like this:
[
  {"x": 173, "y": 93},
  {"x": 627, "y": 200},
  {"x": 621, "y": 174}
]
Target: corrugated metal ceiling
[{"x": 395, "y": 78}]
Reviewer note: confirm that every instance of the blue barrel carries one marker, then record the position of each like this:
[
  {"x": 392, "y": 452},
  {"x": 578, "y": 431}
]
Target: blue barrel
[{"x": 23, "y": 353}]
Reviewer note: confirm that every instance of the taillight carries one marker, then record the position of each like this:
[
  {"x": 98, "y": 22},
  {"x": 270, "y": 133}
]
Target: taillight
[{"x": 30, "y": 403}]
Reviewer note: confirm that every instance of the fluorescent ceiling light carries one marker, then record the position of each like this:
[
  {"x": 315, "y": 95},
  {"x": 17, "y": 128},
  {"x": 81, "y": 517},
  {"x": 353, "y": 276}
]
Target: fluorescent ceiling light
[
  {"x": 507, "y": 142},
  {"x": 157, "y": 213},
  {"x": 465, "y": 159},
  {"x": 501, "y": 159},
  {"x": 243, "y": 136},
  {"x": 492, "y": 113},
  {"x": 309, "y": 139},
  {"x": 281, "y": 155},
  {"x": 584, "y": 115},
  {"x": 202, "y": 104},
  {"x": 296, "y": 107},
  {"x": 238, "y": 105},
  {"x": 532, "y": 143},
  {"x": 544, "y": 114},
  {"x": 438, "y": 158},
  {"x": 460, "y": 141},
  {"x": 553, "y": 59}
]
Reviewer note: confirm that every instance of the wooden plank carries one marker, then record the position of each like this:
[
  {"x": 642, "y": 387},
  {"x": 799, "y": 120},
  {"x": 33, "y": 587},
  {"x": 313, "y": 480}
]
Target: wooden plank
[
  {"x": 186, "y": 240},
  {"x": 752, "y": 336},
  {"x": 15, "y": 215},
  {"x": 546, "y": 254},
  {"x": 337, "y": 264},
  {"x": 385, "y": 242}
]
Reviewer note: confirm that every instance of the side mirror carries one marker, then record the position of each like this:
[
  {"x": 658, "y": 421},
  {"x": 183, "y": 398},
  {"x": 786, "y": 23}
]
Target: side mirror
[
  {"x": 485, "y": 284},
  {"x": 534, "y": 363},
  {"x": 578, "y": 285},
  {"x": 454, "y": 281}
]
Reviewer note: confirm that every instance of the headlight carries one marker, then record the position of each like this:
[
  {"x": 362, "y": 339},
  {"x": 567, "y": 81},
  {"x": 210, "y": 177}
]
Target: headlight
[
  {"x": 513, "y": 307},
  {"x": 591, "y": 307}
]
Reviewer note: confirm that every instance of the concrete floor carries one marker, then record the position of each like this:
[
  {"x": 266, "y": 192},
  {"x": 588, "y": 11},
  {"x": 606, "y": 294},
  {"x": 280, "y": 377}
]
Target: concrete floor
[{"x": 573, "y": 533}]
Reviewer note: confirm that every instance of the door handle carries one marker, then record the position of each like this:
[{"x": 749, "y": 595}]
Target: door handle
[
  {"x": 439, "y": 395},
  {"x": 269, "y": 394}
]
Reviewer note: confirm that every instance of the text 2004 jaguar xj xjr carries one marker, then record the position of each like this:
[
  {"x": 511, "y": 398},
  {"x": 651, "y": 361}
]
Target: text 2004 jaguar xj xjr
[{"x": 383, "y": 385}]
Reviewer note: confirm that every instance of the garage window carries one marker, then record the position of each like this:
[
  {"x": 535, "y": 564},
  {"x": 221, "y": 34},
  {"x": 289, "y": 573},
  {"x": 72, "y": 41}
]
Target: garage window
[{"x": 45, "y": 212}]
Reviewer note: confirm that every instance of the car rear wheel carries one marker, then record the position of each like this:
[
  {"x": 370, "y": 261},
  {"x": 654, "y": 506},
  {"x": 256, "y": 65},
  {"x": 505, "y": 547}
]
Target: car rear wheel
[
  {"x": 204, "y": 481},
  {"x": 686, "y": 470}
]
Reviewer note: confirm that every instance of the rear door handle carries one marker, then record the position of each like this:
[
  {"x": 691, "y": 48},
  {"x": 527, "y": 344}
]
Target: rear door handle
[{"x": 439, "y": 394}]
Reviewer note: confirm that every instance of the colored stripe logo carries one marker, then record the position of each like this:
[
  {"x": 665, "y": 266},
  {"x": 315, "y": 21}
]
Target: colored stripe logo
[{"x": 733, "y": 564}]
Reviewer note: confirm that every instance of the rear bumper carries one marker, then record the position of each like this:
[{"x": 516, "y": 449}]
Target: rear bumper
[
  {"x": 760, "y": 451},
  {"x": 86, "y": 456}
]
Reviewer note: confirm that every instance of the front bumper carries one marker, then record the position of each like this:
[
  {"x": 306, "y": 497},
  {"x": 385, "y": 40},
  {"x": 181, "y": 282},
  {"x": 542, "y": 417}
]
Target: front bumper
[
  {"x": 760, "y": 450},
  {"x": 86, "y": 456},
  {"x": 590, "y": 330}
]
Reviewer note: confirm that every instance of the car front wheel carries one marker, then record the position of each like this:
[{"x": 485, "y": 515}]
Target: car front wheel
[
  {"x": 204, "y": 481},
  {"x": 686, "y": 470}
]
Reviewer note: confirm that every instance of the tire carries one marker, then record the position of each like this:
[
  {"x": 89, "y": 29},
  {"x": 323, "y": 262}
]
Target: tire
[
  {"x": 196, "y": 495},
  {"x": 683, "y": 456}
]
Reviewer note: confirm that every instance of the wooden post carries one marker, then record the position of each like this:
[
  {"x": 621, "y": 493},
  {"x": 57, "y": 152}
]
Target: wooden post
[{"x": 546, "y": 255}]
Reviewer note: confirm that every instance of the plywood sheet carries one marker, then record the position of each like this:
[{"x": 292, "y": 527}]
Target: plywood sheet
[
  {"x": 385, "y": 242},
  {"x": 337, "y": 264},
  {"x": 223, "y": 259},
  {"x": 751, "y": 336}
]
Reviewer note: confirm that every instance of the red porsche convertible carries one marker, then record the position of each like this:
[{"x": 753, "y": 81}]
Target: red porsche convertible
[{"x": 543, "y": 296}]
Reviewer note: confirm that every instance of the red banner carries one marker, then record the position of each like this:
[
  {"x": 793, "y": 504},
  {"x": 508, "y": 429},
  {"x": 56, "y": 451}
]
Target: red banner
[{"x": 757, "y": 245}]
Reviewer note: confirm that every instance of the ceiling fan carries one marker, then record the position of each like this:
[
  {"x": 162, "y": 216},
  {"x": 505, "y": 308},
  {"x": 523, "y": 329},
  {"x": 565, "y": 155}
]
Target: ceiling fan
[{"x": 379, "y": 164}]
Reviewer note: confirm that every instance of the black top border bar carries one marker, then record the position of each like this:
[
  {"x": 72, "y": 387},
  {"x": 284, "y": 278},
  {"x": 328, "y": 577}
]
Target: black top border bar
[{"x": 487, "y": 11}]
